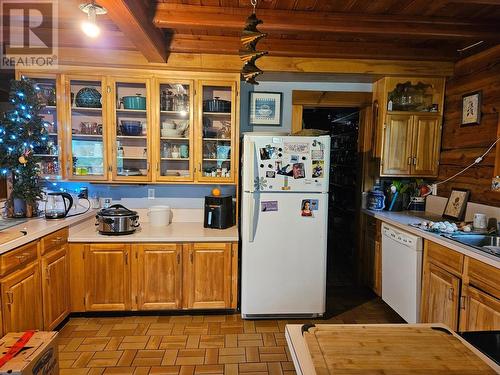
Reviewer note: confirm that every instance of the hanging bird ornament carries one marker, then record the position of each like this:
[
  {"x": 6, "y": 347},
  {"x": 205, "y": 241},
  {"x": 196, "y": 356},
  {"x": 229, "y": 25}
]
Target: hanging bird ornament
[{"x": 248, "y": 53}]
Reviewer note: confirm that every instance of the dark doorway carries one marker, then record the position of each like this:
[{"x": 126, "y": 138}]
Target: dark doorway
[{"x": 345, "y": 179}]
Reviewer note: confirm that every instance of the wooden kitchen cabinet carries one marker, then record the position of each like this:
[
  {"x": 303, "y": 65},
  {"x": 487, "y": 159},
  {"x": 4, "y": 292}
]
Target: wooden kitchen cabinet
[
  {"x": 55, "y": 287},
  {"x": 459, "y": 291},
  {"x": 107, "y": 277},
  {"x": 21, "y": 299},
  {"x": 159, "y": 276},
  {"x": 370, "y": 259},
  {"x": 480, "y": 311},
  {"x": 208, "y": 275},
  {"x": 411, "y": 145},
  {"x": 440, "y": 295}
]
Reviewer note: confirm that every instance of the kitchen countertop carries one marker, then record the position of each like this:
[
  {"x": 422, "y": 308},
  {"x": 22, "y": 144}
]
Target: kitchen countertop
[
  {"x": 38, "y": 227},
  {"x": 175, "y": 232},
  {"x": 403, "y": 219}
]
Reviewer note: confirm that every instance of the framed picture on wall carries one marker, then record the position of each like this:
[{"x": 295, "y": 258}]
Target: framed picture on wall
[
  {"x": 265, "y": 108},
  {"x": 456, "y": 205},
  {"x": 471, "y": 109}
]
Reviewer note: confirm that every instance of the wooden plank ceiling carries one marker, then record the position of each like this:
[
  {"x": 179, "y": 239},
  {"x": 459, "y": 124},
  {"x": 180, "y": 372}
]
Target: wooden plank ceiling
[{"x": 362, "y": 29}]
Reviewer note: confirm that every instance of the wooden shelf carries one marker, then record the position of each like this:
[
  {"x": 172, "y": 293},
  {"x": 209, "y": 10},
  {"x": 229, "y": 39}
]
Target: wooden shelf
[
  {"x": 132, "y": 157},
  {"x": 86, "y": 135},
  {"x": 175, "y": 113},
  {"x": 226, "y": 114},
  {"x": 175, "y": 138},
  {"x": 122, "y": 110},
  {"x": 86, "y": 109},
  {"x": 217, "y": 139},
  {"x": 52, "y": 134},
  {"x": 87, "y": 157},
  {"x": 46, "y": 155},
  {"x": 132, "y": 136},
  {"x": 216, "y": 159},
  {"x": 176, "y": 159}
]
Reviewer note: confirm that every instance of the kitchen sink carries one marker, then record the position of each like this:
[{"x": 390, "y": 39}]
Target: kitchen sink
[{"x": 483, "y": 242}]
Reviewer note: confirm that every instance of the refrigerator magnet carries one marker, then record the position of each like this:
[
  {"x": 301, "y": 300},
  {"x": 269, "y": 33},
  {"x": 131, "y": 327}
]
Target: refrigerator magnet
[
  {"x": 314, "y": 204},
  {"x": 294, "y": 159},
  {"x": 305, "y": 208},
  {"x": 285, "y": 183},
  {"x": 269, "y": 206},
  {"x": 270, "y": 174},
  {"x": 317, "y": 155},
  {"x": 298, "y": 171},
  {"x": 264, "y": 154},
  {"x": 318, "y": 166},
  {"x": 278, "y": 165},
  {"x": 297, "y": 148}
]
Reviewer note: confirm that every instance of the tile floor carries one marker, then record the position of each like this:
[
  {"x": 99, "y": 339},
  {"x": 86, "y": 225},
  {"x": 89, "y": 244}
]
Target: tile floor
[{"x": 188, "y": 345}]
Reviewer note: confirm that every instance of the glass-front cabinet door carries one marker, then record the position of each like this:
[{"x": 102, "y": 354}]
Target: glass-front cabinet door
[
  {"x": 51, "y": 156},
  {"x": 86, "y": 128},
  {"x": 130, "y": 124},
  {"x": 174, "y": 133},
  {"x": 216, "y": 150}
]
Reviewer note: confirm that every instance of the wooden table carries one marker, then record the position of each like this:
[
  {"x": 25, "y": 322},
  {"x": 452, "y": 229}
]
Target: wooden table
[{"x": 383, "y": 349}]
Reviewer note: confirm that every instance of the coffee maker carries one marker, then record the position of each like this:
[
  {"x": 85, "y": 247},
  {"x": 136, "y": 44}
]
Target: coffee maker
[{"x": 219, "y": 212}]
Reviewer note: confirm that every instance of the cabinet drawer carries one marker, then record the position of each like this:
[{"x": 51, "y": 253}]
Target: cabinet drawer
[
  {"x": 54, "y": 240},
  {"x": 484, "y": 277},
  {"x": 448, "y": 259},
  {"x": 18, "y": 257}
]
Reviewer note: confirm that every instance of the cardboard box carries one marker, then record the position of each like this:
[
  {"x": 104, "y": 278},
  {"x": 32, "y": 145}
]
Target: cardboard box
[{"x": 38, "y": 357}]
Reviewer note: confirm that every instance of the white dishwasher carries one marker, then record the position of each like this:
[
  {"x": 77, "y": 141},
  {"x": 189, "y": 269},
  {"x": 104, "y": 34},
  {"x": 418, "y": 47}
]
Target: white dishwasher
[{"x": 401, "y": 272}]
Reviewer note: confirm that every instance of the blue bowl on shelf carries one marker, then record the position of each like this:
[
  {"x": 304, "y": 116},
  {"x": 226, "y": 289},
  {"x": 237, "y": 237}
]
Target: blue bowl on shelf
[
  {"x": 88, "y": 97},
  {"x": 131, "y": 127}
]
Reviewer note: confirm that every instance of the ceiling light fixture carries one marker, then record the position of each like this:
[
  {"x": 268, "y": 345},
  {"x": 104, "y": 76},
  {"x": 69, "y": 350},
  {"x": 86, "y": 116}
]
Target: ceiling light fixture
[{"x": 89, "y": 27}]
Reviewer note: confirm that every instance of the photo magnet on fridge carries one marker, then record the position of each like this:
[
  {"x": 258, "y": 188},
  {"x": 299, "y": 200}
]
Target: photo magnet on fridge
[
  {"x": 268, "y": 206},
  {"x": 314, "y": 204},
  {"x": 264, "y": 154},
  {"x": 305, "y": 208},
  {"x": 294, "y": 159},
  {"x": 317, "y": 155},
  {"x": 298, "y": 171},
  {"x": 299, "y": 148},
  {"x": 270, "y": 174},
  {"x": 318, "y": 166}
]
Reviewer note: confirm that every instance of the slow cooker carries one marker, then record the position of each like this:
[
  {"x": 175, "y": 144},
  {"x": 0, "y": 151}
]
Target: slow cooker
[{"x": 117, "y": 220}]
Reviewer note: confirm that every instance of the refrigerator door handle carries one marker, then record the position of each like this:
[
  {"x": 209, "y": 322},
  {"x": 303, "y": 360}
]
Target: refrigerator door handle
[
  {"x": 251, "y": 170},
  {"x": 253, "y": 220}
]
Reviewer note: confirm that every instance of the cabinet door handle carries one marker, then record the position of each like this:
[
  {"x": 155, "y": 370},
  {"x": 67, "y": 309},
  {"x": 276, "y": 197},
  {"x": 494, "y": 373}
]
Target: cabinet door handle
[
  {"x": 126, "y": 257},
  {"x": 47, "y": 274},
  {"x": 450, "y": 294},
  {"x": 157, "y": 166},
  {"x": 191, "y": 256},
  {"x": 10, "y": 296},
  {"x": 415, "y": 160},
  {"x": 462, "y": 302},
  {"x": 178, "y": 258},
  {"x": 409, "y": 160}
]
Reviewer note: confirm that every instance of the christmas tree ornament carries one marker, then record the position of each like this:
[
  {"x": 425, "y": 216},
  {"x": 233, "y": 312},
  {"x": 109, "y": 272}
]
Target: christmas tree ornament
[
  {"x": 248, "y": 51},
  {"x": 22, "y": 159}
]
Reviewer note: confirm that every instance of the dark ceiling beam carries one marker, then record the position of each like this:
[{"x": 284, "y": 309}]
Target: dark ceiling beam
[
  {"x": 187, "y": 43},
  {"x": 172, "y": 16},
  {"x": 133, "y": 19}
]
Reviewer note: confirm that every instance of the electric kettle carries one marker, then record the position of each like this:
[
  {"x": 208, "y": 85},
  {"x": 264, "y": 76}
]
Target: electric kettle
[{"x": 56, "y": 207}]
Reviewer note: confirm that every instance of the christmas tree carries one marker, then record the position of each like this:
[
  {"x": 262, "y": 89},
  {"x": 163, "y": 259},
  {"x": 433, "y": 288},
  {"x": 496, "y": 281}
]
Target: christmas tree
[{"x": 22, "y": 129}]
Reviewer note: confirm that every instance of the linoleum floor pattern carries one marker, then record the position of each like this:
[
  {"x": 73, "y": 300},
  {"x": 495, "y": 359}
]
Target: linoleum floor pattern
[{"x": 190, "y": 345}]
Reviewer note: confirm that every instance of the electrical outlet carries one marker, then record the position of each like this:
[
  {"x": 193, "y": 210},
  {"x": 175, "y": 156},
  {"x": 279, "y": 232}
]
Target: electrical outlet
[{"x": 151, "y": 193}]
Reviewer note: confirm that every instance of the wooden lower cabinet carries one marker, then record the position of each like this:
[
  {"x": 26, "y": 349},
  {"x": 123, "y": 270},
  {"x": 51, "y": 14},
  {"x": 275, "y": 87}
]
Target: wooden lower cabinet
[
  {"x": 208, "y": 275},
  {"x": 107, "y": 277},
  {"x": 157, "y": 276},
  {"x": 55, "y": 287},
  {"x": 459, "y": 291},
  {"x": 21, "y": 299},
  {"x": 480, "y": 311},
  {"x": 370, "y": 259},
  {"x": 440, "y": 295},
  {"x": 158, "y": 280}
]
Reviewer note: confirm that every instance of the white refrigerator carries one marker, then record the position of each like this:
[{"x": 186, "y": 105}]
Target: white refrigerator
[{"x": 284, "y": 225}]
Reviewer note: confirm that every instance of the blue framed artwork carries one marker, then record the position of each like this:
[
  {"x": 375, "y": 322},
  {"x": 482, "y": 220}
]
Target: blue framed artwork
[{"x": 265, "y": 108}]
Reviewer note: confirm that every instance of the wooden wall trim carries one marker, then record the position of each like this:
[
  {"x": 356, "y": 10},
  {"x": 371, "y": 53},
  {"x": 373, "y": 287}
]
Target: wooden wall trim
[{"x": 232, "y": 63}]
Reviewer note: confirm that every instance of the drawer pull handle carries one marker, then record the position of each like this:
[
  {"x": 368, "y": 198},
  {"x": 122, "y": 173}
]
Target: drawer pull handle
[
  {"x": 57, "y": 239},
  {"x": 21, "y": 258}
]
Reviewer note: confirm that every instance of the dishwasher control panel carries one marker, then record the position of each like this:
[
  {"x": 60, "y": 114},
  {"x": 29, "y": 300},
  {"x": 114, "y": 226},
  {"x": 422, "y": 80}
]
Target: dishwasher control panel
[{"x": 402, "y": 237}]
